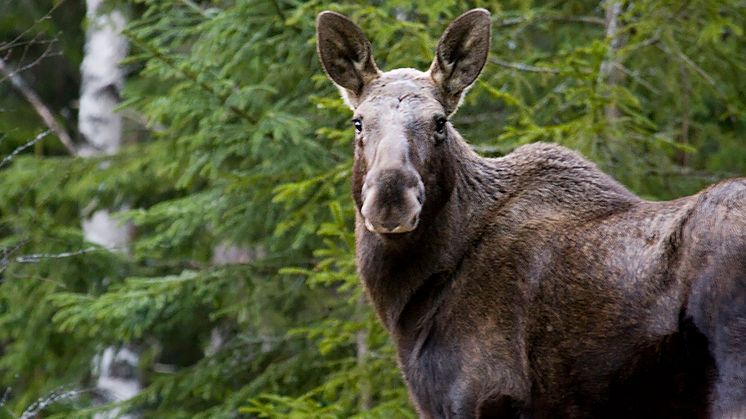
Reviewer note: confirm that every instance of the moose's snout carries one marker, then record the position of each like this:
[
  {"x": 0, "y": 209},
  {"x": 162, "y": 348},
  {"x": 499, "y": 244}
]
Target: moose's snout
[{"x": 392, "y": 201}]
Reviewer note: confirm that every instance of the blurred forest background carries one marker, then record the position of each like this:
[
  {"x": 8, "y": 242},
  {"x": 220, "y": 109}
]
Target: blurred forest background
[{"x": 191, "y": 254}]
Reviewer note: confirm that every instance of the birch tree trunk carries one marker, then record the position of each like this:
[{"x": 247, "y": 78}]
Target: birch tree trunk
[
  {"x": 611, "y": 70},
  {"x": 115, "y": 368}
]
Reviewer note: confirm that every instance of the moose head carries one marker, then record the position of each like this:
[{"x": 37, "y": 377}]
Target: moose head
[{"x": 401, "y": 116}]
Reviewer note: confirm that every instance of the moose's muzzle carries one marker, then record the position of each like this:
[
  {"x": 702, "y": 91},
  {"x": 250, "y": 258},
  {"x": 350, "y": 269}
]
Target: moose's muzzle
[{"x": 392, "y": 200}]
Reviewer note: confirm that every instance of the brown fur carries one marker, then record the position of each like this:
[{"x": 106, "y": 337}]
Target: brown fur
[{"x": 535, "y": 285}]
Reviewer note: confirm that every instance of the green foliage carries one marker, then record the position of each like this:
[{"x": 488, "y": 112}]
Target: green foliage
[{"x": 248, "y": 145}]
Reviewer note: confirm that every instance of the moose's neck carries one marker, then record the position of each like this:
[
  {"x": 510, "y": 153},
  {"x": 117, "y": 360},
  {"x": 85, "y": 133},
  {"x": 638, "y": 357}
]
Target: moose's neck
[{"x": 403, "y": 273}]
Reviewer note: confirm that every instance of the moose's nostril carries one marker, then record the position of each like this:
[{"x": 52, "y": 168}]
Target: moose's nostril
[{"x": 390, "y": 225}]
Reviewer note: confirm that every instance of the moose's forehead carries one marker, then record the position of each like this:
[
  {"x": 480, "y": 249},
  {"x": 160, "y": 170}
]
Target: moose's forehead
[{"x": 401, "y": 89}]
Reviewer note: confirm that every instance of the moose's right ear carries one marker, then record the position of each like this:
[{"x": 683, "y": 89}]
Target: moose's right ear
[
  {"x": 345, "y": 54},
  {"x": 461, "y": 54}
]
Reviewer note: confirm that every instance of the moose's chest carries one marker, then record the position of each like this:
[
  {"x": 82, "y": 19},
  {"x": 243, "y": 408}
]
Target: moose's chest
[
  {"x": 457, "y": 374},
  {"x": 433, "y": 367},
  {"x": 456, "y": 350}
]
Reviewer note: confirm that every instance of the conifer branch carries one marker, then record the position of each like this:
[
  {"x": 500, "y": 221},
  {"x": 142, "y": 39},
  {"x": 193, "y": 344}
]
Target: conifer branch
[
  {"x": 195, "y": 7},
  {"x": 189, "y": 75}
]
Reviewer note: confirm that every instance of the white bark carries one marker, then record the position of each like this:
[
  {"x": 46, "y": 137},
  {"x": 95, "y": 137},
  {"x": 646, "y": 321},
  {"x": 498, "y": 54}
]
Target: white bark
[
  {"x": 116, "y": 370},
  {"x": 102, "y": 79},
  {"x": 101, "y": 127},
  {"x": 102, "y": 229}
]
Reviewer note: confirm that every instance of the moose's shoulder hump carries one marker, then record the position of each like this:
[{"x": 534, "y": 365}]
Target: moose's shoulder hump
[
  {"x": 556, "y": 167},
  {"x": 549, "y": 155}
]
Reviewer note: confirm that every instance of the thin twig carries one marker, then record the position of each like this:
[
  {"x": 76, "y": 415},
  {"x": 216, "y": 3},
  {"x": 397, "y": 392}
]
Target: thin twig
[
  {"x": 15, "y": 42},
  {"x": 523, "y": 67},
  {"x": 652, "y": 40},
  {"x": 687, "y": 172},
  {"x": 513, "y": 21},
  {"x": 15, "y": 152},
  {"x": 6, "y": 71},
  {"x": 43, "y": 110},
  {"x": 192, "y": 5},
  {"x": 35, "y": 258},
  {"x": 4, "y": 262},
  {"x": 689, "y": 62},
  {"x": 6, "y": 395},
  {"x": 278, "y": 10},
  {"x": 637, "y": 78},
  {"x": 555, "y": 91}
]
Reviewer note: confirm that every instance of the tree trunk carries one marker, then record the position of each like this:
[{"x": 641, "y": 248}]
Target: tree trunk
[
  {"x": 100, "y": 125},
  {"x": 611, "y": 71},
  {"x": 361, "y": 341}
]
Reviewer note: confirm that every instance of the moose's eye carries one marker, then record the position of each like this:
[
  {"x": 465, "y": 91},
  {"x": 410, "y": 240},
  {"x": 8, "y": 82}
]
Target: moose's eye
[
  {"x": 440, "y": 125},
  {"x": 358, "y": 125}
]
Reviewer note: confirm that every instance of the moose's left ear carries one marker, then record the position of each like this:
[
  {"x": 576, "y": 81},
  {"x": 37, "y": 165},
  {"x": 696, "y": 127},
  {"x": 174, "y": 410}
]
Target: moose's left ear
[{"x": 461, "y": 54}]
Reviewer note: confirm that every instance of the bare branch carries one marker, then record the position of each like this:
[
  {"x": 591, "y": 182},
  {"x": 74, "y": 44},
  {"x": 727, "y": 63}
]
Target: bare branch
[
  {"x": 278, "y": 10},
  {"x": 10, "y": 74},
  {"x": 5, "y": 396},
  {"x": 43, "y": 110},
  {"x": 636, "y": 78},
  {"x": 53, "y": 397},
  {"x": 688, "y": 61},
  {"x": 17, "y": 40},
  {"x": 15, "y": 152},
  {"x": 4, "y": 261},
  {"x": 37, "y": 257},
  {"x": 591, "y": 20},
  {"x": 652, "y": 40},
  {"x": 523, "y": 67},
  {"x": 688, "y": 172}
]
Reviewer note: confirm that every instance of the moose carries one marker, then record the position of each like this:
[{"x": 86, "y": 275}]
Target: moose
[{"x": 532, "y": 285}]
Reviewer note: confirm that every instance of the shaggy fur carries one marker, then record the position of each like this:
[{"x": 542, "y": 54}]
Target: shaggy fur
[{"x": 535, "y": 285}]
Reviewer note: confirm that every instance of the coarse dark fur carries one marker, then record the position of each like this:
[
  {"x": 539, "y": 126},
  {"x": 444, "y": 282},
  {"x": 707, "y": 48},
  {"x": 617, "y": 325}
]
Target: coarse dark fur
[{"x": 533, "y": 285}]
